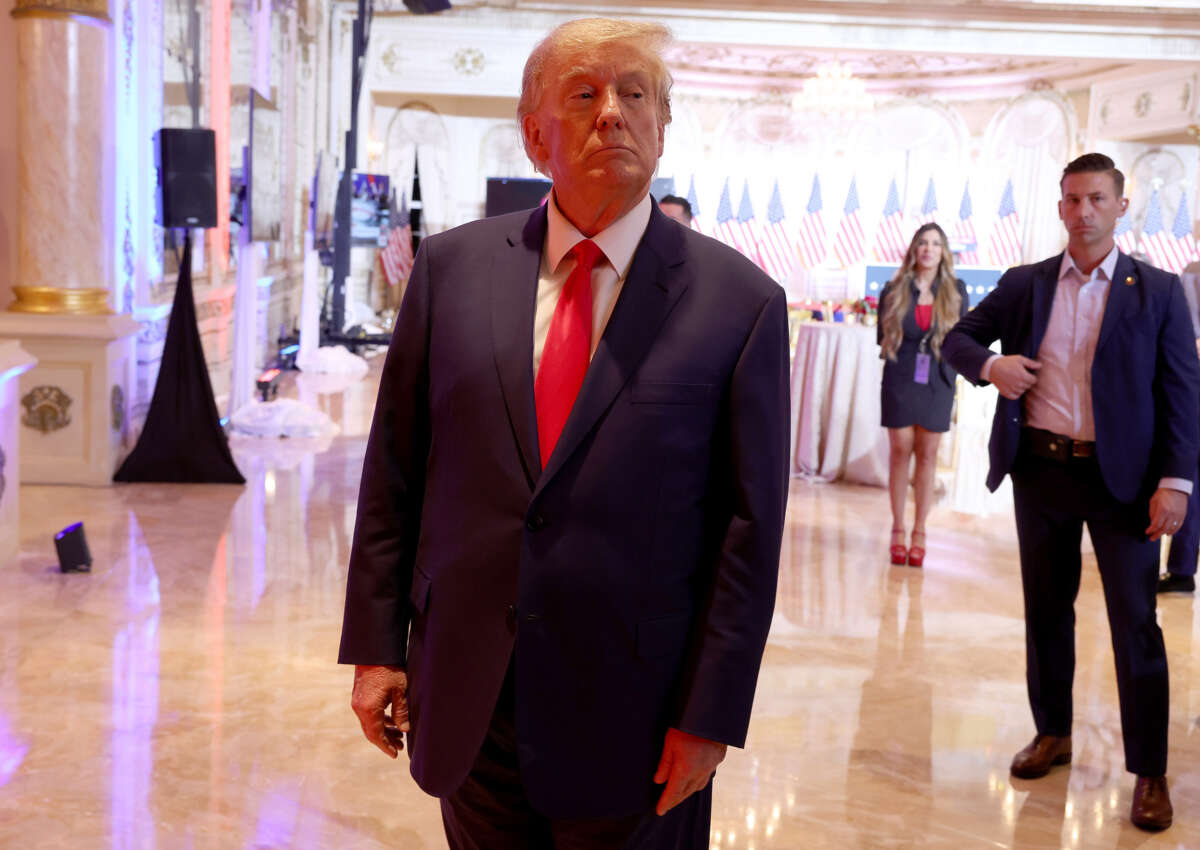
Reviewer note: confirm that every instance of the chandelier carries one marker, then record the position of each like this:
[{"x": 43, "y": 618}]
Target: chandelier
[{"x": 834, "y": 92}]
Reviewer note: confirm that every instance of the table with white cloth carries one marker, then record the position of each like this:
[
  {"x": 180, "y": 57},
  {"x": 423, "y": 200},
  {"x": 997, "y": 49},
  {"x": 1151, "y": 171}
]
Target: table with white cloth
[{"x": 836, "y": 433}]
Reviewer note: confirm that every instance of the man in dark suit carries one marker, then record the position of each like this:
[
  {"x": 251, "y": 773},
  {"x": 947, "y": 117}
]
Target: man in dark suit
[
  {"x": 1097, "y": 424},
  {"x": 1185, "y": 541},
  {"x": 564, "y": 565}
]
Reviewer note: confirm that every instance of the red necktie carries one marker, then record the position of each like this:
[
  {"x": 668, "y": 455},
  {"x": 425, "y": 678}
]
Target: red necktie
[{"x": 567, "y": 350}]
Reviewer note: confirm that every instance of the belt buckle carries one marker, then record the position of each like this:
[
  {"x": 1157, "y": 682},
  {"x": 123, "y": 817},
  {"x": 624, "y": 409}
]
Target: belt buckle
[{"x": 1081, "y": 449}]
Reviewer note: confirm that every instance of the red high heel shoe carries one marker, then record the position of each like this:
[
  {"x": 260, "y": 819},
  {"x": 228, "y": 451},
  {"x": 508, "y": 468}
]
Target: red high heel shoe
[
  {"x": 916, "y": 554},
  {"x": 898, "y": 551}
]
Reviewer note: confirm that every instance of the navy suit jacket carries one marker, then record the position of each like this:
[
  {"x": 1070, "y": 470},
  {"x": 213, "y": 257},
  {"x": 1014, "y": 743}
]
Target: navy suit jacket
[
  {"x": 1145, "y": 375},
  {"x": 631, "y": 581}
]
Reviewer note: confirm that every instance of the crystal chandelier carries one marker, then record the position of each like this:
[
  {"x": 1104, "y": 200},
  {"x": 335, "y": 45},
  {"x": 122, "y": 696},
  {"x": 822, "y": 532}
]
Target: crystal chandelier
[{"x": 834, "y": 92}]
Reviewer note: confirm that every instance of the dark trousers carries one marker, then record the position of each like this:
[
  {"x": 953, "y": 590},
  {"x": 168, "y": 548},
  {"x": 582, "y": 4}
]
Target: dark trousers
[
  {"x": 1185, "y": 543},
  {"x": 1053, "y": 501},
  {"x": 491, "y": 812}
]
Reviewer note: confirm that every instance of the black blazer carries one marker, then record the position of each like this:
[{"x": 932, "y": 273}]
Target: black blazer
[
  {"x": 1145, "y": 375},
  {"x": 910, "y": 343},
  {"x": 634, "y": 577}
]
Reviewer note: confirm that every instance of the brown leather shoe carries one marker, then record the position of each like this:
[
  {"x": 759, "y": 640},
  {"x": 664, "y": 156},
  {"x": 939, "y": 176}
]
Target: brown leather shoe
[
  {"x": 1151, "y": 804},
  {"x": 1043, "y": 752}
]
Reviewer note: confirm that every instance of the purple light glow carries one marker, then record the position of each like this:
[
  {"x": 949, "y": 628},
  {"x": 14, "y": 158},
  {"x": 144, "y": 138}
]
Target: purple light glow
[{"x": 12, "y": 751}]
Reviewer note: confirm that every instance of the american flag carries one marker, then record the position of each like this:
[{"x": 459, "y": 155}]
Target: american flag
[
  {"x": 397, "y": 254},
  {"x": 929, "y": 205},
  {"x": 748, "y": 227},
  {"x": 1173, "y": 250},
  {"x": 964, "y": 229},
  {"x": 850, "y": 243},
  {"x": 1006, "y": 235},
  {"x": 812, "y": 229},
  {"x": 890, "y": 244},
  {"x": 1124, "y": 234},
  {"x": 695, "y": 205},
  {"x": 726, "y": 227},
  {"x": 776, "y": 249}
]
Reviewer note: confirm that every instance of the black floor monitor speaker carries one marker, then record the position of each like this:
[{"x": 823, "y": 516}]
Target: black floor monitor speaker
[
  {"x": 186, "y": 161},
  {"x": 425, "y": 7},
  {"x": 510, "y": 194}
]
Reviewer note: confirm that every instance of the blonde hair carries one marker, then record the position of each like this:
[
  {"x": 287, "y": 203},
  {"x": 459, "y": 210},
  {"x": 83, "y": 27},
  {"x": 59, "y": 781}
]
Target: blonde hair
[
  {"x": 947, "y": 303},
  {"x": 587, "y": 34}
]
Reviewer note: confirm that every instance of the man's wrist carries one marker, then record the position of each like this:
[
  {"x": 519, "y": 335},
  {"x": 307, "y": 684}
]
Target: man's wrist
[
  {"x": 1183, "y": 485},
  {"x": 986, "y": 372}
]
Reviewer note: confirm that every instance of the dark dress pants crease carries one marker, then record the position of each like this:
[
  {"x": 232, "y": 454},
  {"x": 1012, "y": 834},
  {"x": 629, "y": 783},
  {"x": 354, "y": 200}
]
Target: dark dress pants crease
[
  {"x": 490, "y": 811},
  {"x": 1053, "y": 501}
]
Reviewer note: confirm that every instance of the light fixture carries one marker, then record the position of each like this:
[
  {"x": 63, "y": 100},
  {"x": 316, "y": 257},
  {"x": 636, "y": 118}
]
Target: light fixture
[
  {"x": 834, "y": 92},
  {"x": 374, "y": 148}
]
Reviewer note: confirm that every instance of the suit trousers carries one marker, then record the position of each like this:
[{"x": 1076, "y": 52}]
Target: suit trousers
[
  {"x": 1185, "y": 543},
  {"x": 1053, "y": 500},
  {"x": 490, "y": 811}
]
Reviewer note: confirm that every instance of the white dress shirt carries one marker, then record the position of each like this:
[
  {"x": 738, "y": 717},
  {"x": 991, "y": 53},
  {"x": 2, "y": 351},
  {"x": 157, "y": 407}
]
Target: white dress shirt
[
  {"x": 1061, "y": 400},
  {"x": 618, "y": 242}
]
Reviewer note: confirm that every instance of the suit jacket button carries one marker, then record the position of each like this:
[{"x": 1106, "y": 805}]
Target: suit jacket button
[{"x": 535, "y": 523}]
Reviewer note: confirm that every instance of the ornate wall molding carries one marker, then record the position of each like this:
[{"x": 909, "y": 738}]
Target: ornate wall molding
[
  {"x": 116, "y": 404},
  {"x": 46, "y": 409},
  {"x": 1145, "y": 105},
  {"x": 97, "y": 9}
]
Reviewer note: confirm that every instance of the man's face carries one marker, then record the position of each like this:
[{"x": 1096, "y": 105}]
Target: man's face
[
  {"x": 677, "y": 212},
  {"x": 597, "y": 129},
  {"x": 1090, "y": 207}
]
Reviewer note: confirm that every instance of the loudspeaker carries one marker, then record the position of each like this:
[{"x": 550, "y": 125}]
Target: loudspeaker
[
  {"x": 186, "y": 161},
  {"x": 73, "y": 553},
  {"x": 425, "y": 7}
]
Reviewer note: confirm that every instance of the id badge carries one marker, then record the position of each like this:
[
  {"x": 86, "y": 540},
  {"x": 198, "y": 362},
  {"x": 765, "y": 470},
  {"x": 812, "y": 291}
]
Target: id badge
[{"x": 921, "y": 375}]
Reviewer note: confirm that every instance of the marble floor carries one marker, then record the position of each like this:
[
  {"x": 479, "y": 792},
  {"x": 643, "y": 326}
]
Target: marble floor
[{"x": 185, "y": 695}]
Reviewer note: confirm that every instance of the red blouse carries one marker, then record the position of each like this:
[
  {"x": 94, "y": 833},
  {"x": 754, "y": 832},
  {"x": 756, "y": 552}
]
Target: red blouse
[{"x": 924, "y": 316}]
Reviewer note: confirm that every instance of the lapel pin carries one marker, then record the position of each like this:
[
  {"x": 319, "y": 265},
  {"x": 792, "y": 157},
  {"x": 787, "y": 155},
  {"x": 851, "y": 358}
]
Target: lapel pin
[{"x": 1129, "y": 281}]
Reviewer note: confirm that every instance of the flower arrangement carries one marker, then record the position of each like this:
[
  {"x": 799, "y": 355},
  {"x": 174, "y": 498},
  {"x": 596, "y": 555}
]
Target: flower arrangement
[{"x": 866, "y": 310}]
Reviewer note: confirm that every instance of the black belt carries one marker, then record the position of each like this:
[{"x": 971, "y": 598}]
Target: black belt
[{"x": 1053, "y": 446}]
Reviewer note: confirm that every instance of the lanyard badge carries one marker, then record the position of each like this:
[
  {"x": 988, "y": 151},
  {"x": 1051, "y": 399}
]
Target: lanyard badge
[{"x": 924, "y": 361}]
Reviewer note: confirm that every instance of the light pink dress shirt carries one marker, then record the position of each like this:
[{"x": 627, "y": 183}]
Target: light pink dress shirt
[{"x": 1061, "y": 400}]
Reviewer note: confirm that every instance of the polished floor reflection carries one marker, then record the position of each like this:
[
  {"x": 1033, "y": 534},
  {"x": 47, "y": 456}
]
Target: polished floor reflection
[{"x": 184, "y": 694}]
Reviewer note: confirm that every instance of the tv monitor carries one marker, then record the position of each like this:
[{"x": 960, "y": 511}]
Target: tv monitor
[{"x": 369, "y": 194}]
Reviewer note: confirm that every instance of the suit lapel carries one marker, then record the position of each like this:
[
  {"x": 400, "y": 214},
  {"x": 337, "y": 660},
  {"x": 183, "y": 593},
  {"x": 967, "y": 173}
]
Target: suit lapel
[
  {"x": 647, "y": 296},
  {"x": 514, "y": 277},
  {"x": 1044, "y": 287},
  {"x": 1119, "y": 297}
]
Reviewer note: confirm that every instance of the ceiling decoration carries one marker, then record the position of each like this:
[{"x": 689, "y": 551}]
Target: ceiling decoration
[{"x": 757, "y": 66}]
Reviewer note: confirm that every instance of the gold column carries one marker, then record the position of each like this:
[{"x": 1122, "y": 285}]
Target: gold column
[{"x": 64, "y": 144}]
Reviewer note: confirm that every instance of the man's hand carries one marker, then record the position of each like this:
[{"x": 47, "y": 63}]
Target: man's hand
[
  {"x": 375, "y": 688},
  {"x": 687, "y": 764},
  {"x": 1013, "y": 375},
  {"x": 1167, "y": 510}
]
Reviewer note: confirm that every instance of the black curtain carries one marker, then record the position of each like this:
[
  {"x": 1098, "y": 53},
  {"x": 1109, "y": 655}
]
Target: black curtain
[{"x": 182, "y": 440}]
